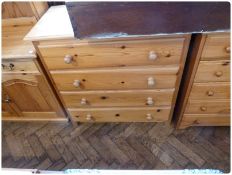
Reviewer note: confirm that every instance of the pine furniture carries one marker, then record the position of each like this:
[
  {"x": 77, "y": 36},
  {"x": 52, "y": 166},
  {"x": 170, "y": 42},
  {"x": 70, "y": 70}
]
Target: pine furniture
[
  {"x": 110, "y": 80},
  {"x": 27, "y": 94},
  {"x": 204, "y": 99}
]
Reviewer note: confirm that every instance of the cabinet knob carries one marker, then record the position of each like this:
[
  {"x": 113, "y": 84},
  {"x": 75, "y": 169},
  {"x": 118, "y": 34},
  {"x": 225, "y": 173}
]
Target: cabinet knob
[
  {"x": 210, "y": 93},
  {"x": 203, "y": 108},
  {"x": 77, "y": 83},
  {"x": 89, "y": 117},
  {"x": 149, "y": 117},
  {"x": 152, "y": 56},
  {"x": 11, "y": 66},
  {"x": 150, "y": 101},
  {"x": 219, "y": 73},
  {"x": 7, "y": 100},
  {"x": 150, "y": 81},
  {"x": 68, "y": 59},
  {"x": 83, "y": 101},
  {"x": 3, "y": 66},
  {"x": 228, "y": 49}
]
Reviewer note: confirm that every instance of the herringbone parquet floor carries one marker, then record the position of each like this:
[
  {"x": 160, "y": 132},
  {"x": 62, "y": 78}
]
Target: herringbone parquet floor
[{"x": 59, "y": 146}]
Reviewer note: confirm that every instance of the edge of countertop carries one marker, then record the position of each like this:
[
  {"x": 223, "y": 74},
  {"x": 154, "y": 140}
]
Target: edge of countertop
[{"x": 54, "y": 24}]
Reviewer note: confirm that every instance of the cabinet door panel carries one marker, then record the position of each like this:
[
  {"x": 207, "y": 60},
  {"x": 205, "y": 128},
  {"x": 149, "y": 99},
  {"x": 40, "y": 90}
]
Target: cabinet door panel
[
  {"x": 8, "y": 105},
  {"x": 27, "y": 94}
]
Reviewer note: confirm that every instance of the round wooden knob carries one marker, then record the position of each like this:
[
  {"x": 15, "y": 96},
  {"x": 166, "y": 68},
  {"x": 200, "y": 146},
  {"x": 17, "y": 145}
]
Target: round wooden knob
[
  {"x": 68, "y": 59},
  {"x": 4, "y": 66},
  {"x": 152, "y": 56},
  {"x": 7, "y": 100},
  {"x": 77, "y": 83},
  {"x": 228, "y": 49},
  {"x": 31, "y": 52},
  {"x": 89, "y": 117},
  {"x": 203, "y": 108},
  {"x": 150, "y": 101},
  {"x": 149, "y": 117},
  {"x": 210, "y": 93},
  {"x": 83, "y": 101},
  {"x": 150, "y": 81},
  {"x": 219, "y": 73},
  {"x": 11, "y": 66}
]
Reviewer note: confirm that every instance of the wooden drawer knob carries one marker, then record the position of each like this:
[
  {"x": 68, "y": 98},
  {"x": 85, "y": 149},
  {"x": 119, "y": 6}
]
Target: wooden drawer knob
[
  {"x": 7, "y": 100},
  {"x": 228, "y": 49},
  {"x": 83, "y": 101},
  {"x": 77, "y": 83},
  {"x": 152, "y": 56},
  {"x": 68, "y": 59},
  {"x": 150, "y": 101},
  {"x": 11, "y": 66},
  {"x": 218, "y": 73},
  {"x": 203, "y": 108},
  {"x": 4, "y": 66},
  {"x": 149, "y": 117},
  {"x": 150, "y": 81},
  {"x": 210, "y": 93},
  {"x": 89, "y": 117}
]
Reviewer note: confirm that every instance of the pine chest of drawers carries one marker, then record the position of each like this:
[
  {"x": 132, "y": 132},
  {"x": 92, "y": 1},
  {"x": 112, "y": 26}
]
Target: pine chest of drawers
[
  {"x": 133, "y": 79},
  {"x": 205, "y": 97}
]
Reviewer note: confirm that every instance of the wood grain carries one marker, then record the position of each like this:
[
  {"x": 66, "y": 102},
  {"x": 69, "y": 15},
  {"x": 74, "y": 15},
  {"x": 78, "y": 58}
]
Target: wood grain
[
  {"x": 144, "y": 146},
  {"x": 30, "y": 98},
  {"x": 35, "y": 117},
  {"x": 13, "y": 78},
  {"x": 213, "y": 71},
  {"x": 117, "y": 78},
  {"x": 200, "y": 91},
  {"x": 19, "y": 66},
  {"x": 215, "y": 46},
  {"x": 13, "y": 32},
  {"x": 23, "y": 9},
  {"x": 205, "y": 120},
  {"x": 139, "y": 114},
  {"x": 208, "y": 107},
  {"x": 117, "y": 98},
  {"x": 113, "y": 54}
]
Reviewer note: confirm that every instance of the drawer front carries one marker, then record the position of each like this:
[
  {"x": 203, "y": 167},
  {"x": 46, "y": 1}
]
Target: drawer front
[
  {"x": 19, "y": 66},
  {"x": 205, "y": 120},
  {"x": 210, "y": 71},
  {"x": 216, "y": 46},
  {"x": 113, "y": 54},
  {"x": 210, "y": 91},
  {"x": 208, "y": 107},
  {"x": 118, "y": 98},
  {"x": 141, "y": 78},
  {"x": 139, "y": 114}
]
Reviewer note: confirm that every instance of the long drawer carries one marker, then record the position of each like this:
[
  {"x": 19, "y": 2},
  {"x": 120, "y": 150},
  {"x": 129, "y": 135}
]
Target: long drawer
[
  {"x": 165, "y": 51},
  {"x": 208, "y": 107},
  {"x": 210, "y": 91},
  {"x": 118, "y": 98},
  {"x": 116, "y": 79},
  {"x": 205, "y": 120},
  {"x": 217, "y": 46},
  {"x": 138, "y": 114},
  {"x": 210, "y": 71}
]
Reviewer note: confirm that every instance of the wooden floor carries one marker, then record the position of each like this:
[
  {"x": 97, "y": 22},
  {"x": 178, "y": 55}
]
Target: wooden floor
[{"x": 59, "y": 146}]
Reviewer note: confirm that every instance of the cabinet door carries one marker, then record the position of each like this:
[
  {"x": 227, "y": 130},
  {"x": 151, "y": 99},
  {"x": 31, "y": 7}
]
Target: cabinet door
[
  {"x": 9, "y": 108},
  {"x": 26, "y": 92}
]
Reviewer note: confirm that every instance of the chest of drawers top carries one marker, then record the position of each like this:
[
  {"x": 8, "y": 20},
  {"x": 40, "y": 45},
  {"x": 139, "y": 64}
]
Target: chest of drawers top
[{"x": 13, "y": 32}]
